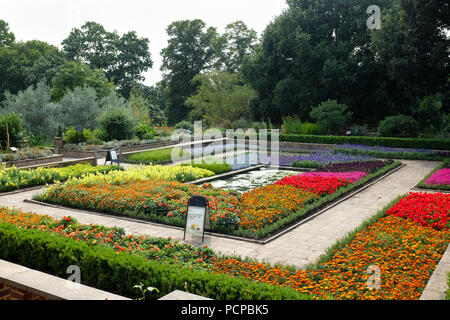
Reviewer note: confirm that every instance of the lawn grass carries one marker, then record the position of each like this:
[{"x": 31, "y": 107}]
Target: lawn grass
[{"x": 159, "y": 156}]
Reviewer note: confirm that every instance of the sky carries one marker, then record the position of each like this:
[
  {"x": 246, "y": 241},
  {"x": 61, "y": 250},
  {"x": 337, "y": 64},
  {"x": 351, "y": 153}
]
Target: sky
[{"x": 52, "y": 20}]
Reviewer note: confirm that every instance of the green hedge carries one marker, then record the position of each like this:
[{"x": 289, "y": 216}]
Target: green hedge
[
  {"x": 104, "y": 269},
  {"x": 448, "y": 284},
  {"x": 435, "y": 144}
]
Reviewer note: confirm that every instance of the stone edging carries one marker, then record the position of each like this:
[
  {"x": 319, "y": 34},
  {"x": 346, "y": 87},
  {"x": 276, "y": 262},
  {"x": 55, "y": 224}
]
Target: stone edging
[
  {"x": 48, "y": 286},
  {"x": 437, "y": 287}
]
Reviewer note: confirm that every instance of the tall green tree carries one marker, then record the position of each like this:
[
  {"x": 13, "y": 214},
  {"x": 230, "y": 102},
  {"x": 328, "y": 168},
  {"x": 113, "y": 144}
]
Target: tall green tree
[
  {"x": 122, "y": 58},
  {"x": 315, "y": 51},
  {"x": 413, "y": 48},
  {"x": 7, "y": 38},
  {"x": 76, "y": 74},
  {"x": 239, "y": 41},
  {"x": 192, "y": 48},
  {"x": 16, "y": 60},
  {"x": 221, "y": 96}
]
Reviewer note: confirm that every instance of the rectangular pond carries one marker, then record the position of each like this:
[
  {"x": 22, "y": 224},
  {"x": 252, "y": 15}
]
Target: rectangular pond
[{"x": 247, "y": 181}]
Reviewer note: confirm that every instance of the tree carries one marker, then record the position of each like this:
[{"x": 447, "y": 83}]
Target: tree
[
  {"x": 220, "y": 96},
  {"x": 79, "y": 107},
  {"x": 192, "y": 49},
  {"x": 239, "y": 42},
  {"x": 16, "y": 60},
  {"x": 45, "y": 68},
  {"x": 331, "y": 116},
  {"x": 7, "y": 38},
  {"x": 315, "y": 51},
  {"x": 75, "y": 74},
  {"x": 122, "y": 58},
  {"x": 412, "y": 47},
  {"x": 35, "y": 108},
  {"x": 147, "y": 111}
]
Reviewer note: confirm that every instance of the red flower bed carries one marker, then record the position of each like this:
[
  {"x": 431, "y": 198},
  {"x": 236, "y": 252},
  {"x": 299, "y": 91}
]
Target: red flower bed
[
  {"x": 424, "y": 208},
  {"x": 319, "y": 185}
]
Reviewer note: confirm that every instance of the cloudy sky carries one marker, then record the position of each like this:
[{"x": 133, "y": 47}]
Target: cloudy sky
[{"x": 52, "y": 20}]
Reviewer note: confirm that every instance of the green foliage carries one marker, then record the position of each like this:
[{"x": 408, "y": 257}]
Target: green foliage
[
  {"x": 292, "y": 125},
  {"x": 7, "y": 38},
  {"x": 159, "y": 156},
  {"x": 447, "y": 297},
  {"x": 15, "y": 61},
  {"x": 401, "y": 126},
  {"x": 217, "y": 168},
  {"x": 186, "y": 125},
  {"x": 79, "y": 107},
  {"x": 74, "y": 136},
  {"x": 189, "y": 40},
  {"x": 75, "y": 74},
  {"x": 240, "y": 123},
  {"x": 34, "y": 106},
  {"x": 122, "y": 58},
  {"x": 116, "y": 123},
  {"x": 220, "y": 96},
  {"x": 104, "y": 269},
  {"x": 144, "y": 109},
  {"x": 436, "y": 144},
  {"x": 431, "y": 115},
  {"x": 15, "y": 130},
  {"x": 144, "y": 132},
  {"x": 359, "y": 131},
  {"x": 331, "y": 116}
]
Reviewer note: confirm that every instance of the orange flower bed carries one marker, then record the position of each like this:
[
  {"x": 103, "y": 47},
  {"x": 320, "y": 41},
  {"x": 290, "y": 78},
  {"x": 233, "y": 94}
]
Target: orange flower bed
[
  {"x": 266, "y": 205},
  {"x": 405, "y": 252}
]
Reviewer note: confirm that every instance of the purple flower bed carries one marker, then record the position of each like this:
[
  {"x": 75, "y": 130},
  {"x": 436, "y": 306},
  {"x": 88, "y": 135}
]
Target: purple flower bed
[
  {"x": 364, "y": 166},
  {"x": 363, "y": 148},
  {"x": 320, "y": 158},
  {"x": 440, "y": 178}
]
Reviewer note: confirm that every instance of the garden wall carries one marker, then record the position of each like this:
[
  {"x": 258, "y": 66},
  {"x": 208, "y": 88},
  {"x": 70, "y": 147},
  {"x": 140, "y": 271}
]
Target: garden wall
[{"x": 34, "y": 162}]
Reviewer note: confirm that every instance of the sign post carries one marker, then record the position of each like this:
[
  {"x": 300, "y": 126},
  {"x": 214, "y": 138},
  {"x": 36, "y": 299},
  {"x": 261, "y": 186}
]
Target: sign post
[
  {"x": 112, "y": 157},
  {"x": 197, "y": 218}
]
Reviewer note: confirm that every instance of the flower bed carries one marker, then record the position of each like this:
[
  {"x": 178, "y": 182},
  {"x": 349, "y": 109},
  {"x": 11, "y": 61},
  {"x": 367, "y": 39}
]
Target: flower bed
[
  {"x": 364, "y": 166},
  {"x": 352, "y": 176},
  {"x": 13, "y": 178},
  {"x": 142, "y": 173},
  {"x": 110, "y": 260},
  {"x": 405, "y": 252},
  {"x": 424, "y": 208},
  {"x": 387, "y": 152},
  {"x": 147, "y": 193},
  {"x": 321, "y": 158},
  {"x": 158, "y": 201},
  {"x": 438, "y": 179}
]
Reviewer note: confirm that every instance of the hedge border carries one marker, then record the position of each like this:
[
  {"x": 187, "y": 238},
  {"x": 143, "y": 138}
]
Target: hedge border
[
  {"x": 417, "y": 143},
  {"x": 107, "y": 270}
]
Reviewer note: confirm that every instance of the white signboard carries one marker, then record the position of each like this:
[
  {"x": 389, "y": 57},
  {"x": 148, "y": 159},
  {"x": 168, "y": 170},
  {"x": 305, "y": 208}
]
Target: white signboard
[
  {"x": 114, "y": 155},
  {"x": 195, "y": 221}
]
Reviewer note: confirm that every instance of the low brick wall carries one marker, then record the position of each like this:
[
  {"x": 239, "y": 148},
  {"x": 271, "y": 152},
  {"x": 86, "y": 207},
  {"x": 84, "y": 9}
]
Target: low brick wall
[
  {"x": 11, "y": 293},
  {"x": 34, "y": 162}
]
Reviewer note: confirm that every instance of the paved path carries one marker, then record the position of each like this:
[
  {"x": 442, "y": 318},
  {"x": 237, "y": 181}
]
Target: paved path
[{"x": 299, "y": 247}]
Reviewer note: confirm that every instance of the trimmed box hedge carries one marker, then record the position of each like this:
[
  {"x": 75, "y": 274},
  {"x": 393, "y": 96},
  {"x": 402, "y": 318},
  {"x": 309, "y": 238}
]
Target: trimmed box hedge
[
  {"x": 435, "y": 144},
  {"x": 118, "y": 273}
]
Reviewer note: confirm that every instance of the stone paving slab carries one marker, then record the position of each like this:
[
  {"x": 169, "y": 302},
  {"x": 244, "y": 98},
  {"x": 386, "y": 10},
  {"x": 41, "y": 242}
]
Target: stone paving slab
[{"x": 298, "y": 247}]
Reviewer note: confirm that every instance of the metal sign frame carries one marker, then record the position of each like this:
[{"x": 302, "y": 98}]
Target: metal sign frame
[
  {"x": 198, "y": 201},
  {"x": 111, "y": 159}
]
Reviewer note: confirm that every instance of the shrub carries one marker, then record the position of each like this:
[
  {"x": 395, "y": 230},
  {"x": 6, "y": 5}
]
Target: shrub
[
  {"x": 117, "y": 124},
  {"x": 292, "y": 125},
  {"x": 401, "y": 126},
  {"x": 144, "y": 132},
  {"x": 79, "y": 107},
  {"x": 359, "y": 131},
  {"x": 240, "y": 124},
  {"x": 311, "y": 128},
  {"x": 186, "y": 125},
  {"x": 258, "y": 126},
  {"x": 74, "y": 136},
  {"x": 15, "y": 130},
  {"x": 331, "y": 116},
  {"x": 35, "y": 108}
]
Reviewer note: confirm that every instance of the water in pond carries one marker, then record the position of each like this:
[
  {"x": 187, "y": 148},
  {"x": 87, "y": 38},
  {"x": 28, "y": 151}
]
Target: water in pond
[{"x": 253, "y": 179}]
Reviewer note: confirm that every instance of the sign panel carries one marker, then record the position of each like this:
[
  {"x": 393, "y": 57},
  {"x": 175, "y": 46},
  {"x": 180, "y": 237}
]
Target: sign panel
[{"x": 197, "y": 218}]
